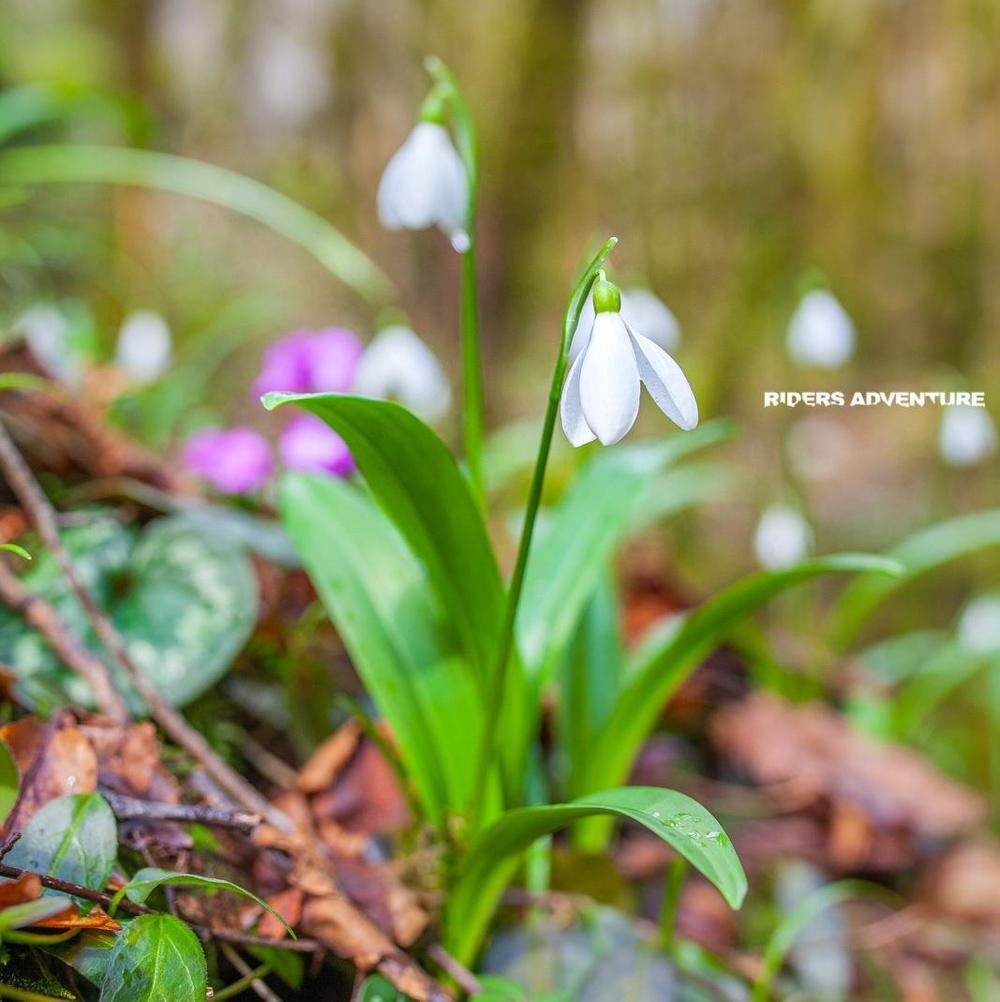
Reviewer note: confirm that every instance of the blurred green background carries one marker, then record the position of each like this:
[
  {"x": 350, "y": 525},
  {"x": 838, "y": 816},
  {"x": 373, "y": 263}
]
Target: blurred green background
[{"x": 740, "y": 149}]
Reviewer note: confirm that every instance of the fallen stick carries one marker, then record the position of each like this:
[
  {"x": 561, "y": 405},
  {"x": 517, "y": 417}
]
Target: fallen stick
[
  {"x": 134, "y": 809},
  {"x": 43, "y": 517}
]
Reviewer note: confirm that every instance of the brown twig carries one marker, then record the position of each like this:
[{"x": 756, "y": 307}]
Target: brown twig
[
  {"x": 258, "y": 986},
  {"x": 40, "y": 615},
  {"x": 42, "y": 515},
  {"x": 8, "y": 843},
  {"x": 459, "y": 973},
  {"x": 77, "y": 890},
  {"x": 133, "y": 809}
]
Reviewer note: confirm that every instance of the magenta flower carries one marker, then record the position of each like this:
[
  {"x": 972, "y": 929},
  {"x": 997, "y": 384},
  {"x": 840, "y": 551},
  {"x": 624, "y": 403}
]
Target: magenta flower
[
  {"x": 310, "y": 362},
  {"x": 233, "y": 461},
  {"x": 310, "y": 445}
]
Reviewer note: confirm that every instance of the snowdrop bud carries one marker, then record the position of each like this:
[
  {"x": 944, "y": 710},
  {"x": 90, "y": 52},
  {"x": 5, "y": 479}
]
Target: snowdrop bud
[
  {"x": 967, "y": 437},
  {"x": 47, "y": 331},
  {"x": 398, "y": 365},
  {"x": 144, "y": 346},
  {"x": 643, "y": 311},
  {"x": 820, "y": 332},
  {"x": 425, "y": 184},
  {"x": 979, "y": 625},
  {"x": 600, "y": 398},
  {"x": 782, "y": 538}
]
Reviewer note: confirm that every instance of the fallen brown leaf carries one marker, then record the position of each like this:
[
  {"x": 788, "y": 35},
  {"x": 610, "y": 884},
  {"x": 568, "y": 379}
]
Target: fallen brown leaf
[
  {"x": 366, "y": 798},
  {"x": 288, "y": 904},
  {"x": 53, "y": 759},
  {"x": 27, "y": 887},
  {"x": 329, "y": 759},
  {"x": 96, "y": 918},
  {"x": 965, "y": 882}
]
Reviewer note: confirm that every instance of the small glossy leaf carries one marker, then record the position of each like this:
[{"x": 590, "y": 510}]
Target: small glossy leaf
[
  {"x": 74, "y": 838},
  {"x": 10, "y": 782},
  {"x": 88, "y": 953},
  {"x": 583, "y": 531},
  {"x": 156, "y": 957},
  {"x": 680, "y": 647},
  {"x": 419, "y": 485},
  {"x": 148, "y": 879},
  {"x": 680, "y": 821},
  {"x": 378, "y": 989},
  {"x": 918, "y": 554}
]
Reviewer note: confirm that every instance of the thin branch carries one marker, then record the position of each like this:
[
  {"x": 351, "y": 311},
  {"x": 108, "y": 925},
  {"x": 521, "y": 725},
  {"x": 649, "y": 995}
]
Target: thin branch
[
  {"x": 249, "y": 979},
  {"x": 42, "y": 616},
  {"x": 133, "y": 809},
  {"x": 459, "y": 973},
  {"x": 77, "y": 890},
  {"x": 42, "y": 515}
]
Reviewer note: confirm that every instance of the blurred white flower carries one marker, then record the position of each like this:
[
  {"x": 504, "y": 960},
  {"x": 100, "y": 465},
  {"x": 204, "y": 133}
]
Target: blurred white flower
[
  {"x": 600, "y": 398},
  {"x": 48, "y": 333},
  {"x": 425, "y": 184},
  {"x": 782, "y": 538},
  {"x": 643, "y": 311},
  {"x": 967, "y": 436},
  {"x": 819, "y": 448},
  {"x": 820, "y": 332},
  {"x": 290, "y": 80},
  {"x": 144, "y": 346},
  {"x": 397, "y": 365},
  {"x": 979, "y": 624}
]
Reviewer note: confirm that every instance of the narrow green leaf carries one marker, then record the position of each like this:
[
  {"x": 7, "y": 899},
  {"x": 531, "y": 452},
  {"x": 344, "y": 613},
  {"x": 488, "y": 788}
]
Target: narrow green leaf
[
  {"x": 120, "y": 165},
  {"x": 394, "y": 629},
  {"x": 156, "y": 957},
  {"x": 10, "y": 782},
  {"x": 74, "y": 838},
  {"x": 149, "y": 878},
  {"x": 680, "y": 648},
  {"x": 18, "y": 916},
  {"x": 418, "y": 483},
  {"x": 918, "y": 554},
  {"x": 680, "y": 821},
  {"x": 14, "y": 548},
  {"x": 584, "y": 529}
]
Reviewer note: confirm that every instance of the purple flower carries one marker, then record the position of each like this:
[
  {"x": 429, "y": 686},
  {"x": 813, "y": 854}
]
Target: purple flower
[
  {"x": 310, "y": 445},
  {"x": 310, "y": 362},
  {"x": 233, "y": 461}
]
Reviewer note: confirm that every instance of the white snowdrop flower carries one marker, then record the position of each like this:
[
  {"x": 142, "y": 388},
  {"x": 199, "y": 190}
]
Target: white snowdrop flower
[
  {"x": 967, "y": 436},
  {"x": 782, "y": 538},
  {"x": 425, "y": 184},
  {"x": 820, "y": 332},
  {"x": 144, "y": 346},
  {"x": 643, "y": 311},
  {"x": 979, "y": 624},
  {"x": 396, "y": 364},
  {"x": 600, "y": 398},
  {"x": 47, "y": 331}
]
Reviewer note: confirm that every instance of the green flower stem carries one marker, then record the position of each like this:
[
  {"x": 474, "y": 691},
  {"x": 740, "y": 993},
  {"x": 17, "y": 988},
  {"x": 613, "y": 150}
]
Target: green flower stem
[
  {"x": 10, "y": 992},
  {"x": 446, "y": 89},
  {"x": 673, "y": 883},
  {"x": 237, "y": 987},
  {"x": 505, "y": 645}
]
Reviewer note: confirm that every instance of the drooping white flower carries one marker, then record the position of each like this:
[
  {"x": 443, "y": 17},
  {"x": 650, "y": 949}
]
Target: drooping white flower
[
  {"x": 49, "y": 335},
  {"x": 979, "y": 624},
  {"x": 397, "y": 365},
  {"x": 820, "y": 332},
  {"x": 600, "y": 398},
  {"x": 643, "y": 311},
  {"x": 968, "y": 435},
  {"x": 425, "y": 184},
  {"x": 144, "y": 346},
  {"x": 782, "y": 538}
]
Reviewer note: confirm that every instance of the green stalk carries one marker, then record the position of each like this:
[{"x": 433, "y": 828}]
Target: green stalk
[
  {"x": 10, "y": 992},
  {"x": 498, "y": 677},
  {"x": 673, "y": 883},
  {"x": 238, "y": 987},
  {"x": 446, "y": 88}
]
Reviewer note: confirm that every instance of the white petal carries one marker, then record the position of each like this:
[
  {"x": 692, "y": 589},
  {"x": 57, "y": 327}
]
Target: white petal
[
  {"x": 649, "y": 316},
  {"x": 782, "y": 538},
  {"x": 144, "y": 346},
  {"x": 571, "y": 409},
  {"x": 397, "y": 364},
  {"x": 609, "y": 380},
  {"x": 583, "y": 328},
  {"x": 968, "y": 435},
  {"x": 666, "y": 382},
  {"x": 820, "y": 332}
]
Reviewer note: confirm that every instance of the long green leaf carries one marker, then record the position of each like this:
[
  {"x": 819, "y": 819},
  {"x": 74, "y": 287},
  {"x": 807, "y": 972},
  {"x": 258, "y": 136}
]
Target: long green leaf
[
  {"x": 120, "y": 165},
  {"x": 585, "y": 528},
  {"x": 418, "y": 483},
  {"x": 674, "y": 817},
  {"x": 393, "y": 627},
  {"x": 149, "y": 878},
  {"x": 679, "y": 651},
  {"x": 918, "y": 554},
  {"x": 74, "y": 837},
  {"x": 155, "y": 958}
]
